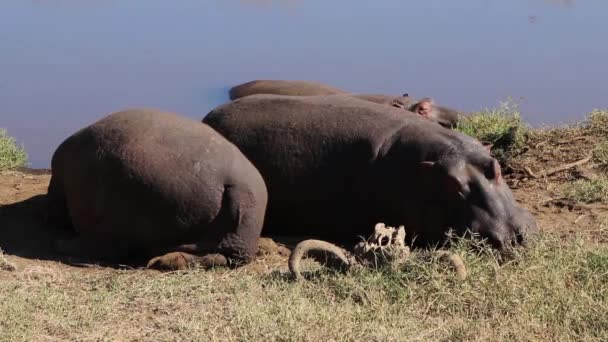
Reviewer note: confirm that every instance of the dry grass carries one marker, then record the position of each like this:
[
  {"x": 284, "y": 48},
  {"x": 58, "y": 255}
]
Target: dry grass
[
  {"x": 556, "y": 290},
  {"x": 5, "y": 265}
]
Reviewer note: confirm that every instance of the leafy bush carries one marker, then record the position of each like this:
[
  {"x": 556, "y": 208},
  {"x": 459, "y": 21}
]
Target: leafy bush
[{"x": 11, "y": 155}]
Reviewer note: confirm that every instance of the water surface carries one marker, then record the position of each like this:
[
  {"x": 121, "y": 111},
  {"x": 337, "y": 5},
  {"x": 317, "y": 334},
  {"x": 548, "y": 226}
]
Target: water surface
[{"x": 66, "y": 63}]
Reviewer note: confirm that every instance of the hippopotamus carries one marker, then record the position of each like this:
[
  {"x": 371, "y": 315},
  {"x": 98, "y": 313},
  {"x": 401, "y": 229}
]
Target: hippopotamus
[
  {"x": 283, "y": 87},
  {"x": 334, "y": 166},
  {"x": 425, "y": 107},
  {"x": 143, "y": 183}
]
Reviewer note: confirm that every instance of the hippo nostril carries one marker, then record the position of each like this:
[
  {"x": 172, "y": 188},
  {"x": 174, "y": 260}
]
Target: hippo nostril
[
  {"x": 498, "y": 244},
  {"x": 519, "y": 238},
  {"x": 495, "y": 241}
]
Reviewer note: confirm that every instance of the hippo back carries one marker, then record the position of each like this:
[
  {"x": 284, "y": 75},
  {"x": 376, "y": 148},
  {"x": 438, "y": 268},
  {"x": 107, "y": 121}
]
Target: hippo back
[
  {"x": 282, "y": 87},
  {"x": 148, "y": 176},
  {"x": 316, "y": 154}
]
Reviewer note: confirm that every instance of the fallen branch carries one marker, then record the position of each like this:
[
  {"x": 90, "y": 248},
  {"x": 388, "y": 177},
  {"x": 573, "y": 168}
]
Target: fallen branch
[{"x": 557, "y": 169}]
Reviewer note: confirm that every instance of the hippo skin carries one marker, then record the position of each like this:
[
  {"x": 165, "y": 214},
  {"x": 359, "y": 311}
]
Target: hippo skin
[
  {"x": 146, "y": 183},
  {"x": 425, "y": 107},
  {"x": 335, "y": 166}
]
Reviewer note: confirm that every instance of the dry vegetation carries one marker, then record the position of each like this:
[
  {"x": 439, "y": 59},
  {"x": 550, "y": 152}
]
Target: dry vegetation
[{"x": 556, "y": 289}]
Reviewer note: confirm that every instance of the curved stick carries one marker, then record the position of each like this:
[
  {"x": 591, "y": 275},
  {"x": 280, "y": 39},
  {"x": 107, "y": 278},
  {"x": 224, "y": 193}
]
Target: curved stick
[
  {"x": 308, "y": 245},
  {"x": 455, "y": 261}
]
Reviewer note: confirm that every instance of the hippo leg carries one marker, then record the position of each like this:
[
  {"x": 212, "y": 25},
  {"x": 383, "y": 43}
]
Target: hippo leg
[
  {"x": 238, "y": 228},
  {"x": 242, "y": 223}
]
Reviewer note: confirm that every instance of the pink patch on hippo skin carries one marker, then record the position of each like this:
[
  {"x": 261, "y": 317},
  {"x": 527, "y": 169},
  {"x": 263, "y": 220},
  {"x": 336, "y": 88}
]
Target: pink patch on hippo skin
[
  {"x": 425, "y": 107},
  {"x": 497, "y": 172}
]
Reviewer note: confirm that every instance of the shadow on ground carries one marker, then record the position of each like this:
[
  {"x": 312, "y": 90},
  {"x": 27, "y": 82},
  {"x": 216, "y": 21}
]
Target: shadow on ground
[{"x": 23, "y": 233}]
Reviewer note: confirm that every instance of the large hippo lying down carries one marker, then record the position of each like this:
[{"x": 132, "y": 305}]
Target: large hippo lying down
[
  {"x": 335, "y": 166},
  {"x": 426, "y": 107},
  {"x": 143, "y": 183}
]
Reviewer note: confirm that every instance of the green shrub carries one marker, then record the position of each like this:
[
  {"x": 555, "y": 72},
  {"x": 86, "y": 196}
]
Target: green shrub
[
  {"x": 600, "y": 155},
  {"x": 501, "y": 127},
  {"x": 11, "y": 155},
  {"x": 597, "y": 122}
]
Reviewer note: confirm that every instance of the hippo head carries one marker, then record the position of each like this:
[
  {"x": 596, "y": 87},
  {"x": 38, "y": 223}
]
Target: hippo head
[
  {"x": 426, "y": 107},
  {"x": 473, "y": 196}
]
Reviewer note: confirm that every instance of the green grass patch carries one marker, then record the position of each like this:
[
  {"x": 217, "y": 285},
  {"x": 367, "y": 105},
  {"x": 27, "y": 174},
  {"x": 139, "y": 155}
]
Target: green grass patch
[
  {"x": 597, "y": 122},
  {"x": 587, "y": 191},
  {"x": 501, "y": 127},
  {"x": 600, "y": 155},
  {"x": 555, "y": 290},
  {"x": 11, "y": 154}
]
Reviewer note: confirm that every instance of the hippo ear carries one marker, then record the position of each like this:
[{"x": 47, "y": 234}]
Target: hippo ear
[
  {"x": 424, "y": 107},
  {"x": 493, "y": 172},
  {"x": 488, "y": 147}
]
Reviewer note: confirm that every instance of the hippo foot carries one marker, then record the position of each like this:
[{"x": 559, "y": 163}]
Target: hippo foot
[
  {"x": 267, "y": 246},
  {"x": 182, "y": 261}
]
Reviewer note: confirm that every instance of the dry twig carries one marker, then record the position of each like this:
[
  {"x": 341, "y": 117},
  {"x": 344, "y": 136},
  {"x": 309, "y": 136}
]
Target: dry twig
[{"x": 549, "y": 172}]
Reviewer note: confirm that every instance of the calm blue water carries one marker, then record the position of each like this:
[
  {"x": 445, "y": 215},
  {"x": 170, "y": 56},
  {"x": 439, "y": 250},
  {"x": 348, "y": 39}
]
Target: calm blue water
[{"x": 66, "y": 63}]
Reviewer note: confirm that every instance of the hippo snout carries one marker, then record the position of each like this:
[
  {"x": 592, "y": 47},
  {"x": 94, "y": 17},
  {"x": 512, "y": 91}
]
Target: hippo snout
[
  {"x": 524, "y": 226},
  {"x": 503, "y": 232},
  {"x": 521, "y": 228}
]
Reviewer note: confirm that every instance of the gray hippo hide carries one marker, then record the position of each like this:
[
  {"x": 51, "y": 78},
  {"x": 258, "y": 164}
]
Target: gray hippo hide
[
  {"x": 141, "y": 183},
  {"x": 335, "y": 166},
  {"x": 425, "y": 107}
]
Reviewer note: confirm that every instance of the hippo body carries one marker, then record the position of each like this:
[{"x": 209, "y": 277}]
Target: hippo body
[
  {"x": 147, "y": 182},
  {"x": 335, "y": 166},
  {"x": 426, "y": 107},
  {"x": 281, "y": 87}
]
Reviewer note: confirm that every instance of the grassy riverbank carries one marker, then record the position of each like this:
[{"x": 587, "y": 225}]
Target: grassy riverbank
[{"x": 554, "y": 290}]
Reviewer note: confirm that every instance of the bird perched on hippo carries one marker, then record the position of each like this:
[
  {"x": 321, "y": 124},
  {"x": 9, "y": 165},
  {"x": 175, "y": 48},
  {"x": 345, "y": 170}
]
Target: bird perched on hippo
[
  {"x": 336, "y": 165},
  {"x": 144, "y": 183},
  {"x": 425, "y": 107}
]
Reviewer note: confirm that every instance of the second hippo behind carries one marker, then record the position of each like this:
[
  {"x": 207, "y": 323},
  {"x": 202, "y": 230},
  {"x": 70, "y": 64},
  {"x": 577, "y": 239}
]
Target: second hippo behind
[
  {"x": 425, "y": 107},
  {"x": 334, "y": 166}
]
